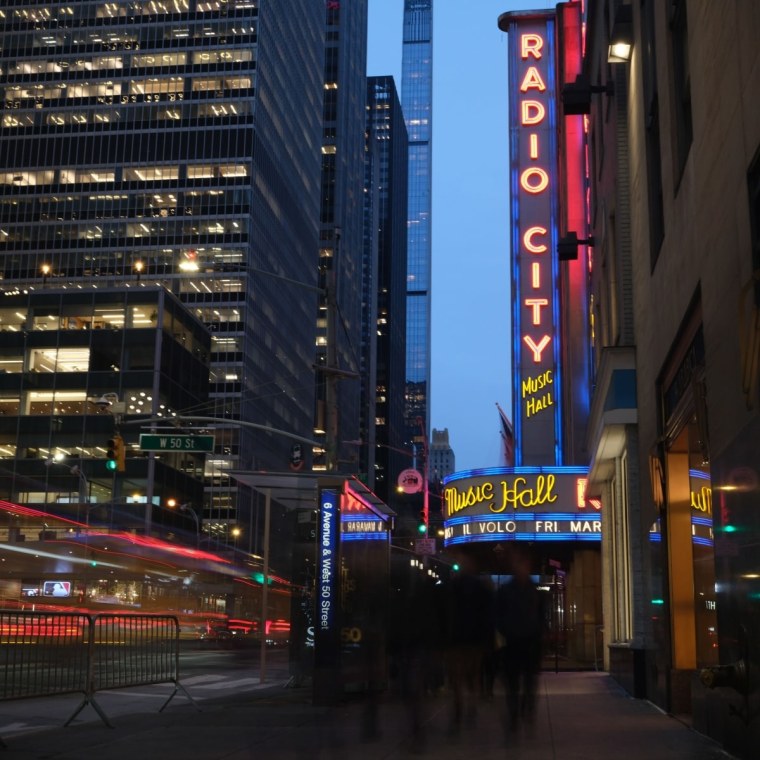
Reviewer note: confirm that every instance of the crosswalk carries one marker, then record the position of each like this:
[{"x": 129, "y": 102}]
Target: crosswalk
[{"x": 22, "y": 716}]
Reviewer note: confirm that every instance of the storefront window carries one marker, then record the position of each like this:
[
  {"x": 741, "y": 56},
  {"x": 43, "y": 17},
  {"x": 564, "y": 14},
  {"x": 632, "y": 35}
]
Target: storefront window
[{"x": 691, "y": 551}]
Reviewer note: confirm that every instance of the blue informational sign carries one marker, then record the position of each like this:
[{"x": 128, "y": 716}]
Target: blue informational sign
[{"x": 329, "y": 570}]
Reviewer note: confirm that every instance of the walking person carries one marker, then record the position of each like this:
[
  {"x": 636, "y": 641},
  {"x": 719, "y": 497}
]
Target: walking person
[
  {"x": 469, "y": 636},
  {"x": 520, "y": 621}
]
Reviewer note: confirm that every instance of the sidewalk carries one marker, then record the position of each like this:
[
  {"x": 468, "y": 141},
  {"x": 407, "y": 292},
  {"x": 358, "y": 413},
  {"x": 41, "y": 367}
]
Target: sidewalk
[{"x": 580, "y": 715}]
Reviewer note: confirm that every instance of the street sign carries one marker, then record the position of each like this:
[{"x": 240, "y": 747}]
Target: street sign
[
  {"x": 191, "y": 443},
  {"x": 424, "y": 546}
]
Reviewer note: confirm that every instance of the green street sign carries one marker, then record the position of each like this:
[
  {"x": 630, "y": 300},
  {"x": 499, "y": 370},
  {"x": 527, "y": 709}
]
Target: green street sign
[{"x": 199, "y": 443}]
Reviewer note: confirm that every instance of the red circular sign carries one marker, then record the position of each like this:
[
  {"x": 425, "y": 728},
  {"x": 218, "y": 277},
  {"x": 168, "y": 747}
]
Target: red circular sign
[{"x": 410, "y": 481}]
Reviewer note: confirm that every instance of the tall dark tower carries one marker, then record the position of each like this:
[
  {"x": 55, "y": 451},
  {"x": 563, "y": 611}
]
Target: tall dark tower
[
  {"x": 387, "y": 189},
  {"x": 417, "y": 102},
  {"x": 339, "y": 319}
]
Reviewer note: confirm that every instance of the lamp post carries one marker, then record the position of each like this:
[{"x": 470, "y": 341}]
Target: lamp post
[
  {"x": 194, "y": 515},
  {"x": 74, "y": 469}
]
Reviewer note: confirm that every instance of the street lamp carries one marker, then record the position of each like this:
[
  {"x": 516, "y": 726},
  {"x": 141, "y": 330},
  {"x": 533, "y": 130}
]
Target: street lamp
[
  {"x": 74, "y": 469},
  {"x": 194, "y": 515}
]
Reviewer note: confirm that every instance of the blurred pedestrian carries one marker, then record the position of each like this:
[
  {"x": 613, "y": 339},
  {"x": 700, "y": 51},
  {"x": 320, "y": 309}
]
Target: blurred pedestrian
[
  {"x": 520, "y": 622},
  {"x": 469, "y": 638},
  {"x": 414, "y": 647}
]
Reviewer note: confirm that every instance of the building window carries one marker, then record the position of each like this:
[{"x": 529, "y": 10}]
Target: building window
[
  {"x": 681, "y": 82},
  {"x": 753, "y": 184},
  {"x": 652, "y": 126},
  {"x": 691, "y": 551}
]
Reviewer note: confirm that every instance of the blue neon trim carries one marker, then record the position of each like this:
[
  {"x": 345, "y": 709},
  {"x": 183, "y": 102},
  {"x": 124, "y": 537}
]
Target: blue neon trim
[
  {"x": 702, "y": 521},
  {"x": 521, "y": 517},
  {"x": 702, "y": 541},
  {"x": 530, "y": 470},
  {"x": 524, "y": 537},
  {"x": 553, "y": 229},
  {"x": 380, "y": 536},
  {"x": 656, "y": 537},
  {"x": 699, "y": 475},
  {"x": 369, "y": 518}
]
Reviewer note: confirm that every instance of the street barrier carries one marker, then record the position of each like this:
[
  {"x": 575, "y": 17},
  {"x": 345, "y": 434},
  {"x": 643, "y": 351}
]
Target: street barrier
[{"x": 44, "y": 654}]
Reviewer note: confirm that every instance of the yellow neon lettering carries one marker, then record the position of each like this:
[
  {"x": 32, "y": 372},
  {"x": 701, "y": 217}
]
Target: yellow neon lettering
[
  {"x": 519, "y": 494},
  {"x": 457, "y": 500},
  {"x": 536, "y": 275},
  {"x": 702, "y": 501},
  {"x": 532, "y": 385}
]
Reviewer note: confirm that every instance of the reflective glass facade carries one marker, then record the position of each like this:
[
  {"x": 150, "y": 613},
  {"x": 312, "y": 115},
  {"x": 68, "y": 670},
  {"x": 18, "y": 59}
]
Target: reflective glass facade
[
  {"x": 388, "y": 152},
  {"x": 176, "y": 143},
  {"x": 342, "y": 224},
  {"x": 417, "y": 102}
]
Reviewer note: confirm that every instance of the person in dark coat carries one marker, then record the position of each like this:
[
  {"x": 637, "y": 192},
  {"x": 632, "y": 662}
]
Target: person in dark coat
[
  {"x": 469, "y": 638},
  {"x": 520, "y": 621}
]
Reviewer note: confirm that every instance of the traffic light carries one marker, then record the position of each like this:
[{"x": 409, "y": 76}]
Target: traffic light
[
  {"x": 115, "y": 454},
  {"x": 422, "y": 527}
]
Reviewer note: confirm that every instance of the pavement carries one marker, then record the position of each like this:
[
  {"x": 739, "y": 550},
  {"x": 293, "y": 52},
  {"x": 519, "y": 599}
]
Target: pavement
[{"x": 579, "y": 715}]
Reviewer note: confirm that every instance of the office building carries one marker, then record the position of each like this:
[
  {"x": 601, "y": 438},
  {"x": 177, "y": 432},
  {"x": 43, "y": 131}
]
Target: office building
[
  {"x": 674, "y": 151},
  {"x": 339, "y": 320},
  {"x": 442, "y": 459},
  {"x": 178, "y": 144},
  {"x": 77, "y": 365}
]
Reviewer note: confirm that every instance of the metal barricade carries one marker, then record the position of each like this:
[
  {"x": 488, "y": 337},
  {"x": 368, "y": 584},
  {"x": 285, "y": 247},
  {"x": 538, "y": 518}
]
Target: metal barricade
[{"x": 44, "y": 654}]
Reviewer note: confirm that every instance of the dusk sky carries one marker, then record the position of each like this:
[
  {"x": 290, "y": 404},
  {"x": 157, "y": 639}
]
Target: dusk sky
[{"x": 471, "y": 365}]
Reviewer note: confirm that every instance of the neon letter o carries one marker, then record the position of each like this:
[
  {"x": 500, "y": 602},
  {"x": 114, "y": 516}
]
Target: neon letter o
[{"x": 538, "y": 187}]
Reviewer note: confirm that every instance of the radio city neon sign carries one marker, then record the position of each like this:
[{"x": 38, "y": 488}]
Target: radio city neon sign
[{"x": 534, "y": 180}]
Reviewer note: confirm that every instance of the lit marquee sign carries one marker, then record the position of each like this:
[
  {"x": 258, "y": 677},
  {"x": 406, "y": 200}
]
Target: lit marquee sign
[
  {"x": 520, "y": 503},
  {"x": 533, "y": 180},
  {"x": 359, "y": 521}
]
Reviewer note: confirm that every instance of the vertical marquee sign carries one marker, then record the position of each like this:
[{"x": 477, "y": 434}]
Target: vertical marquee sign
[
  {"x": 327, "y": 588},
  {"x": 533, "y": 178}
]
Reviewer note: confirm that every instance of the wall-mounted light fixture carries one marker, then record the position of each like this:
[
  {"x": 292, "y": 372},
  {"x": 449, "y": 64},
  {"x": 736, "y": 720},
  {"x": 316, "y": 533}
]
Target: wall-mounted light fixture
[
  {"x": 567, "y": 248},
  {"x": 621, "y": 36},
  {"x": 576, "y": 96}
]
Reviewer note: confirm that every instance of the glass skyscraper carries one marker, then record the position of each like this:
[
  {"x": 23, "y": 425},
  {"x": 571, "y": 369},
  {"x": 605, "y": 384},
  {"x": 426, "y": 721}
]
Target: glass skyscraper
[{"x": 417, "y": 103}]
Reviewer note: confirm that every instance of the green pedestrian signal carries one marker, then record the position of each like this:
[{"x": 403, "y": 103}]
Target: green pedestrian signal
[{"x": 115, "y": 454}]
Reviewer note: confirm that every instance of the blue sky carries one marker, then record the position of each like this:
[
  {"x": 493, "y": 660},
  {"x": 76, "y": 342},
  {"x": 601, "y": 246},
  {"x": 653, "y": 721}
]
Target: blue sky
[{"x": 471, "y": 367}]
